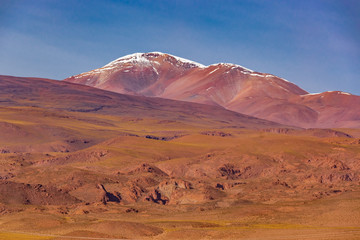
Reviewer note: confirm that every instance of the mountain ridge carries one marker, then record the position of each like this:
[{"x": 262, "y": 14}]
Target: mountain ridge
[{"x": 231, "y": 86}]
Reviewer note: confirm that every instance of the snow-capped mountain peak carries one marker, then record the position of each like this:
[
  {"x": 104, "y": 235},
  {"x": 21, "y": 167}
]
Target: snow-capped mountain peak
[
  {"x": 263, "y": 95},
  {"x": 146, "y": 59}
]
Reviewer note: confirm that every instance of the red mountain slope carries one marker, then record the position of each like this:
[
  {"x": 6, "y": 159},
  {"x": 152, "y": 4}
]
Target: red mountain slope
[{"x": 228, "y": 85}]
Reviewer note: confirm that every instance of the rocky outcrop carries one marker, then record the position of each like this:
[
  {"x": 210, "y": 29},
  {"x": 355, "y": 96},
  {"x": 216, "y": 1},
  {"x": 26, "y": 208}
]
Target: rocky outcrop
[
  {"x": 133, "y": 192},
  {"x": 216, "y": 133},
  {"x": 147, "y": 168},
  {"x": 229, "y": 171},
  {"x": 156, "y": 197}
]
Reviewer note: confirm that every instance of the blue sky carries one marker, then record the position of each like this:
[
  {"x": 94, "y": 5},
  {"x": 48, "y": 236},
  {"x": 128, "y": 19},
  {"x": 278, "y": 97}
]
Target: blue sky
[{"x": 313, "y": 43}]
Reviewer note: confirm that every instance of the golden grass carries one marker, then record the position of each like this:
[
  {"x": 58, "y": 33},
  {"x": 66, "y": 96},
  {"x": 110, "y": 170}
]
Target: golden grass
[{"x": 22, "y": 236}]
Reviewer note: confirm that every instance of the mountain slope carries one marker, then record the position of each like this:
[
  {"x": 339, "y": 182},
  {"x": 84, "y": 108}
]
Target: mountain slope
[
  {"x": 228, "y": 85},
  {"x": 64, "y": 96}
]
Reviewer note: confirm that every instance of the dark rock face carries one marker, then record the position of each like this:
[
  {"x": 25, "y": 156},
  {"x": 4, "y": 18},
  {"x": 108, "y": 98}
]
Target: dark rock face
[
  {"x": 156, "y": 197},
  {"x": 108, "y": 196},
  {"x": 229, "y": 171}
]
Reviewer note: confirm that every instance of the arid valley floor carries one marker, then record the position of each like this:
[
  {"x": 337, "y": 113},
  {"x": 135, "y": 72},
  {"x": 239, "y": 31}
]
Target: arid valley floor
[{"x": 83, "y": 163}]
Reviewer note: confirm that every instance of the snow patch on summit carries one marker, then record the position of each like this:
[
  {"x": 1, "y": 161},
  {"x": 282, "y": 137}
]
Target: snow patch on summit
[
  {"x": 143, "y": 59},
  {"x": 188, "y": 61},
  {"x": 137, "y": 58},
  {"x": 213, "y": 71},
  {"x": 310, "y": 94},
  {"x": 338, "y": 92},
  {"x": 233, "y": 66}
]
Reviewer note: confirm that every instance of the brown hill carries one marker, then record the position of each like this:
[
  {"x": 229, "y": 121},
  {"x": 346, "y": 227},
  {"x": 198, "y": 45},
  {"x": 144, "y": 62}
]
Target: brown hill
[
  {"x": 58, "y": 95},
  {"x": 228, "y": 85}
]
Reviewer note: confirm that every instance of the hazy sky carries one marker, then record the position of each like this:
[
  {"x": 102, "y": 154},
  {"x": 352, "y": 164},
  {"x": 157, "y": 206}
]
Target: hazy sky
[{"x": 313, "y": 43}]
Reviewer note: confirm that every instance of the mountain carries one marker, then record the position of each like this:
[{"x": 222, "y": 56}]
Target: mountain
[{"x": 231, "y": 86}]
